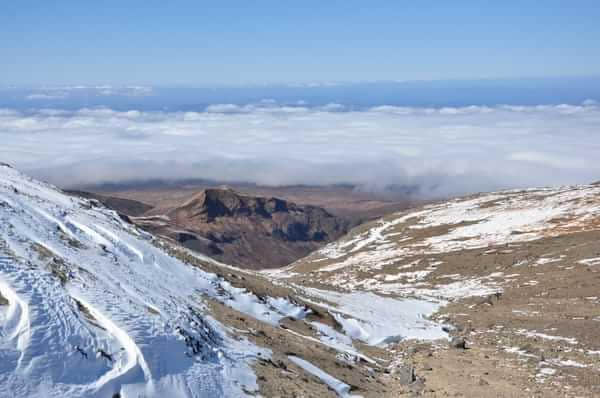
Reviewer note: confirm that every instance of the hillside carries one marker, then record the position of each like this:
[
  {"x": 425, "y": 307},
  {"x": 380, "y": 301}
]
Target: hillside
[
  {"x": 516, "y": 273},
  {"x": 92, "y": 306},
  {"x": 126, "y": 207},
  {"x": 246, "y": 231},
  {"x": 489, "y": 295}
]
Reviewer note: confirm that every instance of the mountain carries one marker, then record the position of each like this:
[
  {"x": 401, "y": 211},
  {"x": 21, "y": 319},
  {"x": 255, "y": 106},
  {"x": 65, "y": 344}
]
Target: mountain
[
  {"x": 93, "y": 306},
  {"x": 125, "y": 207},
  {"x": 516, "y": 274},
  {"x": 246, "y": 231},
  {"x": 488, "y": 295},
  {"x": 354, "y": 203}
]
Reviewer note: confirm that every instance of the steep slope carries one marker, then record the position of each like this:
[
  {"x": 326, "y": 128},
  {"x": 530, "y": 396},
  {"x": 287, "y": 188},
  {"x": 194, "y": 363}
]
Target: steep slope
[
  {"x": 92, "y": 306},
  {"x": 95, "y": 309},
  {"x": 251, "y": 232},
  {"x": 516, "y": 274},
  {"x": 125, "y": 207}
]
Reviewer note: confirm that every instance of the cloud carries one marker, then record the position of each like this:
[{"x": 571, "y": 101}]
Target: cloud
[
  {"x": 63, "y": 92},
  {"x": 442, "y": 151},
  {"x": 550, "y": 160},
  {"x": 44, "y": 96}
]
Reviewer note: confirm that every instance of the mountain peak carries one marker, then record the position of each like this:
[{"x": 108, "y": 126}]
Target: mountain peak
[
  {"x": 244, "y": 230},
  {"x": 212, "y": 203}
]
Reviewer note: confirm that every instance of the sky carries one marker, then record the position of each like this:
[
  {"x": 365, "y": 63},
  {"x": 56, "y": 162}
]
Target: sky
[
  {"x": 198, "y": 43},
  {"x": 445, "y": 97}
]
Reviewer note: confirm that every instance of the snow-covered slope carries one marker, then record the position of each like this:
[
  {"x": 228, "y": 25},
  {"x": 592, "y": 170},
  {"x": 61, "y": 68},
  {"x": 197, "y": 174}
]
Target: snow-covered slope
[
  {"x": 95, "y": 308},
  {"x": 91, "y": 306},
  {"x": 514, "y": 275},
  {"x": 395, "y": 255}
]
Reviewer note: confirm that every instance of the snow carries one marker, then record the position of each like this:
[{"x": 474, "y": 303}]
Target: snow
[
  {"x": 441, "y": 293},
  {"x": 569, "y": 340},
  {"x": 269, "y": 310},
  {"x": 409, "y": 276},
  {"x": 377, "y": 320},
  {"x": 339, "y": 342},
  {"x": 547, "y": 260},
  {"x": 590, "y": 261},
  {"x": 342, "y": 389},
  {"x": 568, "y": 362},
  {"x": 16, "y": 322},
  {"x": 130, "y": 356},
  {"x": 288, "y": 309},
  {"x": 119, "y": 295},
  {"x": 519, "y": 351},
  {"x": 386, "y": 258},
  {"x": 546, "y": 372},
  {"x": 513, "y": 217}
]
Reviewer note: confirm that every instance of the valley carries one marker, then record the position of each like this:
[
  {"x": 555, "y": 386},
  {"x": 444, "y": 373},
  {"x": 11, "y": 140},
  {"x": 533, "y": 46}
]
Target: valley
[{"x": 486, "y": 295}]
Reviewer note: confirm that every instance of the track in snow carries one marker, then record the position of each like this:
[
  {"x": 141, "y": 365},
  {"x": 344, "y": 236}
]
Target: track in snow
[
  {"x": 16, "y": 324},
  {"x": 132, "y": 357}
]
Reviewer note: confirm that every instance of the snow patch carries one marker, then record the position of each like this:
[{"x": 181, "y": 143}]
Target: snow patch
[{"x": 342, "y": 389}]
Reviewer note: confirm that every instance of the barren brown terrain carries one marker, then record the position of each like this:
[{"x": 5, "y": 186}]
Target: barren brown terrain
[
  {"x": 248, "y": 233},
  {"x": 512, "y": 278},
  {"x": 518, "y": 286},
  {"x": 342, "y": 200}
]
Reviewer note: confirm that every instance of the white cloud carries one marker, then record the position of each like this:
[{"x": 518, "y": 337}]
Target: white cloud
[
  {"x": 442, "y": 150},
  {"x": 57, "y": 93},
  {"x": 44, "y": 96},
  {"x": 550, "y": 160}
]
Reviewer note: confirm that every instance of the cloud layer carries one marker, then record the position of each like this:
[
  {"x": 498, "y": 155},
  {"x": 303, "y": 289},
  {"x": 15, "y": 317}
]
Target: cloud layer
[{"x": 443, "y": 151}]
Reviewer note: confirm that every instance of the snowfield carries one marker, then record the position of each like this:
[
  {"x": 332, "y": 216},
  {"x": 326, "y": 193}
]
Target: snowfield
[{"x": 95, "y": 308}]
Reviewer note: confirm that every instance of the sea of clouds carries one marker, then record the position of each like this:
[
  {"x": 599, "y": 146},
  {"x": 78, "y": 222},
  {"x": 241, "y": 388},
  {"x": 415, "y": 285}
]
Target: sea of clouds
[{"x": 443, "y": 151}]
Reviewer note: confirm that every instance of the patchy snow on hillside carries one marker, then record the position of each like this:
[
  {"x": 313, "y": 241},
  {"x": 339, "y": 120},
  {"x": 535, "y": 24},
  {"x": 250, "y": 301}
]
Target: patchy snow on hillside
[
  {"x": 377, "y": 320},
  {"x": 371, "y": 260},
  {"x": 342, "y": 389},
  {"x": 492, "y": 219},
  {"x": 95, "y": 308}
]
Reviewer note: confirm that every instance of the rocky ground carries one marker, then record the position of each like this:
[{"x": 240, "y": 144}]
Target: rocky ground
[
  {"x": 245, "y": 231},
  {"x": 492, "y": 295},
  {"x": 517, "y": 278}
]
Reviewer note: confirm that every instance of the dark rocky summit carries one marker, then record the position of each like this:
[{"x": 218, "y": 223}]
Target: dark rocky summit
[{"x": 247, "y": 231}]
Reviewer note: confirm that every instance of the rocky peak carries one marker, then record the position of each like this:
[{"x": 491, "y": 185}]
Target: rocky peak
[
  {"x": 212, "y": 203},
  {"x": 248, "y": 231}
]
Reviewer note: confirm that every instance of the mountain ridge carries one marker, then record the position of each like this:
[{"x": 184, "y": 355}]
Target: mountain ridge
[
  {"x": 244, "y": 230},
  {"x": 492, "y": 294}
]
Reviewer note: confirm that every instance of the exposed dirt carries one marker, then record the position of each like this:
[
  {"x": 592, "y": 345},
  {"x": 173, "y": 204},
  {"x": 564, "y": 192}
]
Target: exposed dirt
[
  {"x": 534, "y": 332},
  {"x": 346, "y": 201},
  {"x": 538, "y": 336}
]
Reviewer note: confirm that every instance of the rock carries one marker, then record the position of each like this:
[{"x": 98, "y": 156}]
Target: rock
[
  {"x": 418, "y": 386},
  {"x": 125, "y": 218},
  {"x": 405, "y": 374},
  {"x": 458, "y": 343},
  {"x": 247, "y": 231}
]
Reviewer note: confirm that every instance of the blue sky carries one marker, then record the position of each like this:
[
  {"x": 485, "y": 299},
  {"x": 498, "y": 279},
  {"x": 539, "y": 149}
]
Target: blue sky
[
  {"x": 256, "y": 42},
  {"x": 449, "y": 96}
]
